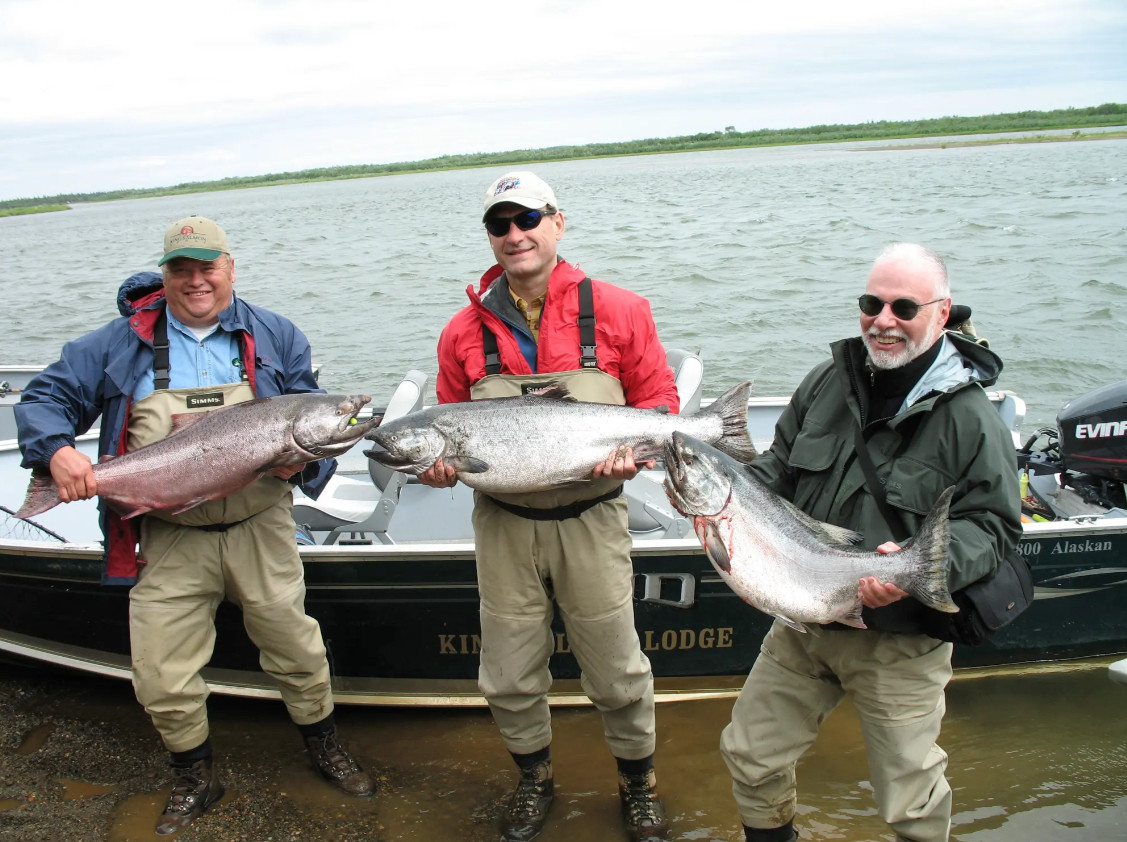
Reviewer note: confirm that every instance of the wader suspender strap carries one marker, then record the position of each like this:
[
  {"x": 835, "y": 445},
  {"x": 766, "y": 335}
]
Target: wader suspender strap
[
  {"x": 162, "y": 371},
  {"x": 875, "y": 488},
  {"x": 492, "y": 357},
  {"x": 587, "y": 358},
  {"x": 586, "y": 326}
]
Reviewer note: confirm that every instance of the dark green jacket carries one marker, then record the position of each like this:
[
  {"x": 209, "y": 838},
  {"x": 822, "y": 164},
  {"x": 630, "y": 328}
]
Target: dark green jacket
[{"x": 952, "y": 436}]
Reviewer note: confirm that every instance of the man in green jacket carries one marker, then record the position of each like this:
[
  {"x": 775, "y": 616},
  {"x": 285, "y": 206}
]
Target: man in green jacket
[{"x": 917, "y": 393}]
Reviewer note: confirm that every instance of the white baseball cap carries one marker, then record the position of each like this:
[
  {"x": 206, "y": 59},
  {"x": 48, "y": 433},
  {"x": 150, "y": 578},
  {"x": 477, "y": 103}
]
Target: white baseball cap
[{"x": 520, "y": 188}]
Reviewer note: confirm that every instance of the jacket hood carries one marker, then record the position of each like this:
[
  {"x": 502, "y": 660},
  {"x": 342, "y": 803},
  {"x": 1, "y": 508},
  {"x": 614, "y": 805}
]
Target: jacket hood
[{"x": 139, "y": 290}]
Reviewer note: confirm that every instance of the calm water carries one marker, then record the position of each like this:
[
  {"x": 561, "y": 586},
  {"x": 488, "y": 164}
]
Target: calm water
[{"x": 754, "y": 258}]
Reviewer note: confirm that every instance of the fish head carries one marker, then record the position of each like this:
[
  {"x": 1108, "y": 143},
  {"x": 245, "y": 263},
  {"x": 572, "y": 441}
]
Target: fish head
[
  {"x": 327, "y": 425},
  {"x": 406, "y": 444},
  {"x": 697, "y": 481}
]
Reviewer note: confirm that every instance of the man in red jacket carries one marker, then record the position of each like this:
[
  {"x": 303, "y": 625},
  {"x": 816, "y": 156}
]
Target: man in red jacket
[{"x": 536, "y": 319}]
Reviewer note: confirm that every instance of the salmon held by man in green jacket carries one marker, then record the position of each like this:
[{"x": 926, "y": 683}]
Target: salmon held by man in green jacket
[{"x": 786, "y": 563}]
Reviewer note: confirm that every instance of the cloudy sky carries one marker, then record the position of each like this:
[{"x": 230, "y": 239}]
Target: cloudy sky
[{"x": 98, "y": 96}]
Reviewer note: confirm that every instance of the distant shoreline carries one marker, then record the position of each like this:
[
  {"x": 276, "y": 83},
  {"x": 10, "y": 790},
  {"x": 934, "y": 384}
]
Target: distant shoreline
[
  {"x": 1028, "y": 123},
  {"x": 999, "y": 141}
]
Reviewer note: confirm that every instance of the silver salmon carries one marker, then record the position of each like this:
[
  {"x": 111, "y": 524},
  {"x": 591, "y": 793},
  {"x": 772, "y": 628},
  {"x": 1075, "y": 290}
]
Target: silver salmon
[
  {"x": 781, "y": 560},
  {"x": 547, "y": 439},
  {"x": 212, "y": 454}
]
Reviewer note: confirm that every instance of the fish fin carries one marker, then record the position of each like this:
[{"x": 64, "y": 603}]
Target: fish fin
[
  {"x": 838, "y": 534},
  {"x": 183, "y": 420},
  {"x": 825, "y": 532},
  {"x": 929, "y": 546},
  {"x": 852, "y": 617},
  {"x": 466, "y": 464},
  {"x": 105, "y": 457},
  {"x": 798, "y": 627},
  {"x": 191, "y": 504},
  {"x": 732, "y": 409},
  {"x": 714, "y": 546},
  {"x": 557, "y": 390},
  {"x": 140, "y": 510},
  {"x": 663, "y": 409},
  {"x": 42, "y": 494}
]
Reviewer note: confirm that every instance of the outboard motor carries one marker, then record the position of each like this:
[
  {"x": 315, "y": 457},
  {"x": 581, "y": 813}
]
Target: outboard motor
[
  {"x": 1093, "y": 445},
  {"x": 1093, "y": 432},
  {"x": 1084, "y": 455}
]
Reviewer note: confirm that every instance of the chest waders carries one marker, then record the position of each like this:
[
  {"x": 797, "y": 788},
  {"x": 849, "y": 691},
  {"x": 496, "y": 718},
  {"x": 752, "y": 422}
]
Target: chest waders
[
  {"x": 241, "y": 548},
  {"x": 567, "y": 548}
]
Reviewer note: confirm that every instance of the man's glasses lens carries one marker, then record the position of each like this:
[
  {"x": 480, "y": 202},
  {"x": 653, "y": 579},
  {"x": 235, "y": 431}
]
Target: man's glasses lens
[
  {"x": 499, "y": 226},
  {"x": 904, "y": 309}
]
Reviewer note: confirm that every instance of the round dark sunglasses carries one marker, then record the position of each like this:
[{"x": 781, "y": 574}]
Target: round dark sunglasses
[
  {"x": 498, "y": 226},
  {"x": 904, "y": 309}
]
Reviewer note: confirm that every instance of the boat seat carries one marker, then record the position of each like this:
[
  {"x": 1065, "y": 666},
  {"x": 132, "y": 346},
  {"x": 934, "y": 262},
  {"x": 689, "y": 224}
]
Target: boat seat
[
  {"x": 648, "y": 507},
  {"x": 407, "y": 398},
  {"x": 688, "y": 373},
  {"x": 347, "y": 505}
]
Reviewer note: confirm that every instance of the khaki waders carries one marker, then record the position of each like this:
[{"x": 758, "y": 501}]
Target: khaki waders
[{"x": 250, "y": 559}]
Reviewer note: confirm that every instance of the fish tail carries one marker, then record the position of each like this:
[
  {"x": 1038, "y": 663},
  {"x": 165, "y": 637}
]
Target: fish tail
[
  {"x": 929, "y": 586},
  {"x": 42, "y": 494},
  {"x": 732, "y": 409}
]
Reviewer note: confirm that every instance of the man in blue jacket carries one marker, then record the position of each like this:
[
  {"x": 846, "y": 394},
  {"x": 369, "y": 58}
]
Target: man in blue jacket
[{"x": 186, "y": 343}]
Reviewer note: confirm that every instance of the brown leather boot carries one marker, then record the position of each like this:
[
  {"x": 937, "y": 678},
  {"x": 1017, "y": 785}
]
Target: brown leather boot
[
  {"x": 642, "y": 808},
  {"x": 195, "y": 787},
  {"x": 336, "y": 765},
  {"x": 528, "y": 805}
]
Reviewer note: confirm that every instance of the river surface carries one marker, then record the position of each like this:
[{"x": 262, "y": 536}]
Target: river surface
[{"x": 754, "y": 258}]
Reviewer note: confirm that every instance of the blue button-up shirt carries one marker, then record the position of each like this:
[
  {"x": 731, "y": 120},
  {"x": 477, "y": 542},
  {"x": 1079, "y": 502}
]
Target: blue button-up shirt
[{"x": 196, "y": 363}]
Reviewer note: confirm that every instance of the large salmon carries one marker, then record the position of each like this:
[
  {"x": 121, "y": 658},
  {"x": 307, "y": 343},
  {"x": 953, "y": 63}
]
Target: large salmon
[
  {"x": 781, "y": 560},
  {"x": 547, "y": 439},
  {"x": 212, "y": 454}
]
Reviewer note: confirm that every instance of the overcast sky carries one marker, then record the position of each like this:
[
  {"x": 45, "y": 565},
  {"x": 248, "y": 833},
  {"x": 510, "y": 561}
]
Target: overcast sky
[{"x": 98, "y": 96}]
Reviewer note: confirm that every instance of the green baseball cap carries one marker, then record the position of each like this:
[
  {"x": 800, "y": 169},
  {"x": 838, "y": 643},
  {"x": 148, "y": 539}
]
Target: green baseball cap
[{"x": 194, "y": 237}]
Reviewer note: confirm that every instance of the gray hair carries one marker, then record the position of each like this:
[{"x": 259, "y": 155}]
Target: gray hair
[{"x": 912, "y": 251}]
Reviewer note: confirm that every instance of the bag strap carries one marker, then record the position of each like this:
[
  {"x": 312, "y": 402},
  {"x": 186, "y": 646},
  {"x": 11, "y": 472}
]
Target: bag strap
[{"x": 890, "y": 515}]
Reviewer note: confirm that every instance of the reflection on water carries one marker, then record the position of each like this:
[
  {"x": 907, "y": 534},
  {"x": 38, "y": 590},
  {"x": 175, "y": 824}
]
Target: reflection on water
[{"x": 1033, "y": 757}]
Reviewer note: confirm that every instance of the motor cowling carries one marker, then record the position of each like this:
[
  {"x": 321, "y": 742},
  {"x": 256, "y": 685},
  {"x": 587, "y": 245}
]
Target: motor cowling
[{"x": 1093, "y": 432}]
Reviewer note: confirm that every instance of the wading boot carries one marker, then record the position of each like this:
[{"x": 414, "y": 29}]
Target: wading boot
[
  {"x": 194, "y": 788},
  {"x": 527, "y": 808},
  {"x": 786, "y": 833},
  {"x": 642, "y": 808},
  {"x": 336, "y": 765}
]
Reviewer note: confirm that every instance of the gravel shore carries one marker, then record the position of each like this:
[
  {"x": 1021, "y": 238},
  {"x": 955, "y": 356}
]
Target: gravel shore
[{"x": 79, "y": 761}]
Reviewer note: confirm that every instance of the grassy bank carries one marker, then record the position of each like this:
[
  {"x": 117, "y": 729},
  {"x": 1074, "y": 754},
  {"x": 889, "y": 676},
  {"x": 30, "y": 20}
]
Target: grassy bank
[
  {"x": 26, "y": 209},
  {"x": 1108, "y": 114}
]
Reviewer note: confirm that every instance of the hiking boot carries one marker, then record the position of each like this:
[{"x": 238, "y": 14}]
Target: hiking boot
[
  {"x": 528, "y": 805},
  {"x": 642, "y": 808},
  {"x": 336, "y": 765},
  {"x": 194, "y": 788}
]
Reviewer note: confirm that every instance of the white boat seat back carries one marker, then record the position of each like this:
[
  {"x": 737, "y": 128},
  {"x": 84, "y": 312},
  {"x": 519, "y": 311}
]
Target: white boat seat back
[
  {"x": 407, "y": 398},
  {"x": 688, "y": 373}
]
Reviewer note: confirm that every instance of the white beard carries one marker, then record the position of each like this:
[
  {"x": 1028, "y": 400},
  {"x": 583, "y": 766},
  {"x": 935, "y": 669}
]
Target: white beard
[{"x": 898, "y": 358}]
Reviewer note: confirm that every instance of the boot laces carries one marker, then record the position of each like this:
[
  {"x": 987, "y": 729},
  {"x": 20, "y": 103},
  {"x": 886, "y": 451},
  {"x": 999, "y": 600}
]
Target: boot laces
[
  {"x": 528, "y": 795},
  {"x": 332, "y": 755},
  {"x": 187, "y": 784},
  {"x": 641, "y": 801}
]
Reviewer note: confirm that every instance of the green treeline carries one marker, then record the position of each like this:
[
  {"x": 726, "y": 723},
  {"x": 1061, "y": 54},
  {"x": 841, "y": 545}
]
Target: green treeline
[{"x": 1108, "y": 114}]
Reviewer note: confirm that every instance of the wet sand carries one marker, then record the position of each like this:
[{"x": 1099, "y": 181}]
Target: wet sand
[{"x": 1033, "y": 757}]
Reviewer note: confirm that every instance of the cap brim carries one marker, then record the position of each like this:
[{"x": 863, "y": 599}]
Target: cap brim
[
  {"x": 524, "y": 202},
  {"x": 195, "y": 254}
]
